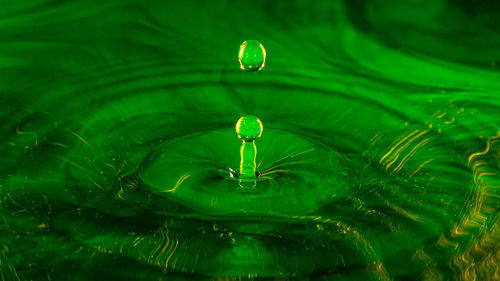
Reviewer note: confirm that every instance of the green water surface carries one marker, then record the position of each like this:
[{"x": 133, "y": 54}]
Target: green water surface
[{"x": 381, "y": 141}]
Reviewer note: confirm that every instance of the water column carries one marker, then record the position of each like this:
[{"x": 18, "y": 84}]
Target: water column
[{"x": 248, "y": 129}]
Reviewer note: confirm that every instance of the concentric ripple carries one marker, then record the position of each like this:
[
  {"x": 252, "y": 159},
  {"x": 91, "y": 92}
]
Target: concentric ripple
[
  {"x": 114, "y": 141},
  {"x": 296, "y": 175}
]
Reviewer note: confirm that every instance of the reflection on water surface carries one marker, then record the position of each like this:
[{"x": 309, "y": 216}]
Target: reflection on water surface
[{"x": 383, "y": 130}]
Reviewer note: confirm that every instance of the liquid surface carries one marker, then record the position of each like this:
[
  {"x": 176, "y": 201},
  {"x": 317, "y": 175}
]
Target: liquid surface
[
  {"x": 399, "y": 100},
  {"x": 292, "y": 181}
]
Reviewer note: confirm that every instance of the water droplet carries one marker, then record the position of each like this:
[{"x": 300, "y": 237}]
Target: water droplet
[
  {"x": 252, "y": 56},
  {"x": 249, "y": 128}
]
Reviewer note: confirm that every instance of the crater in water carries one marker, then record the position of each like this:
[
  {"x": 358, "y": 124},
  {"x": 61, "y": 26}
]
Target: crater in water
[
  {"x": 390, "y": 114},
  {"x": 297, "y": 175}
]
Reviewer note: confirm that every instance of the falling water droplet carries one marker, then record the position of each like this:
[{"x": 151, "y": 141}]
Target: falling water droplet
[{"x": 252, "y": 56}]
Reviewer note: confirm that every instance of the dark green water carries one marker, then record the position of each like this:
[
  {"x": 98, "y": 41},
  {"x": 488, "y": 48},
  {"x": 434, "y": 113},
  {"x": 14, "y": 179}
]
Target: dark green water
[{"x": 381, "y": 130}]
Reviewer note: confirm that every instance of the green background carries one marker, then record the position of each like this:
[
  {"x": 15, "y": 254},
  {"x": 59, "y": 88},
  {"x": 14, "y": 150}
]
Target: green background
[{"x": 398, "y": 99}]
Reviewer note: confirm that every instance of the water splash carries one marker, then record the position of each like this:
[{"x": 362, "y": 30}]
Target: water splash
[{"x": 408, "y": 107}]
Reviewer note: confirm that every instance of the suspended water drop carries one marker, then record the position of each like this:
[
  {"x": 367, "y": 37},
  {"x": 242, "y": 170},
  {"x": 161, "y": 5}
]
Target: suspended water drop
[{"x": 252, "y": 56}]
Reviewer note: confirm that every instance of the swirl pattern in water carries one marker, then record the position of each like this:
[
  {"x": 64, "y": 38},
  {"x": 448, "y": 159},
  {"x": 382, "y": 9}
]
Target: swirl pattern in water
[{"x": 381, "y": 141}]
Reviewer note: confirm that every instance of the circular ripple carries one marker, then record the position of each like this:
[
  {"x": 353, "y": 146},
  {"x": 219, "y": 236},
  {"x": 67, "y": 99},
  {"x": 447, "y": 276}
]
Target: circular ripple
[{"x": 296, "y": 174}]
